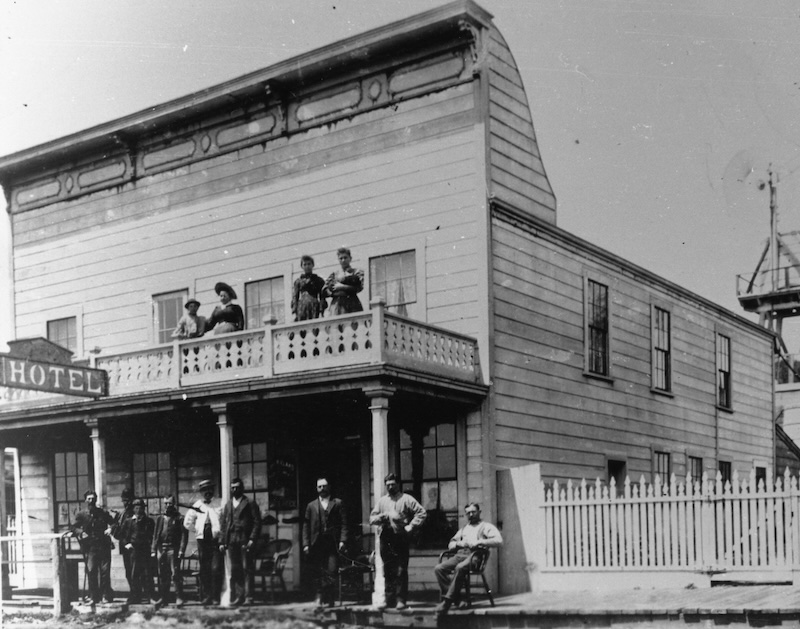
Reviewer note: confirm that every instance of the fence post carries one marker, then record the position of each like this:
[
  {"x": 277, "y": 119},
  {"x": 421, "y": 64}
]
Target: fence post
[
  {"x": 707, "y": 529},
  {"x": 60, "y": 597}
]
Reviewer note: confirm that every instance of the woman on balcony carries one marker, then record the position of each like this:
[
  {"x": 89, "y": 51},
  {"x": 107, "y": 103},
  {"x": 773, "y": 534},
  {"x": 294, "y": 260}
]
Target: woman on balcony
[
  {"x": 307, "y": 299},
  {"x": 229, "y": 316},
  {"x": 344, "y": 285}
]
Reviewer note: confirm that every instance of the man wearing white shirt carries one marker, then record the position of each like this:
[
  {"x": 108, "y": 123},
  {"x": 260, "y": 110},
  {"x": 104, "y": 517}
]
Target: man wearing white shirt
[{"x": 203, "y": 518}]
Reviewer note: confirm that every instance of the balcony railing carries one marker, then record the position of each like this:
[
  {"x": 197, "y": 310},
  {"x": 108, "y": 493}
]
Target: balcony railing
[
  {"x": 364, "y": 338},
  {"x": 767, "y": 281}
]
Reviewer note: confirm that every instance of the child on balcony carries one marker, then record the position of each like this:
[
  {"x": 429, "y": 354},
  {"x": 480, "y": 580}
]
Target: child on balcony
[
  {"x": 344, "y": 285},
  {"x": 190, "y": 325},
  {"x": 307, "y": 299}
]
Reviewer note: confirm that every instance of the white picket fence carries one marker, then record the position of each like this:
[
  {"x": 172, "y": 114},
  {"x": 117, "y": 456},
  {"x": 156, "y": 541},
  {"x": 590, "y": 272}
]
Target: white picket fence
[{"x": 664, "y": 534}]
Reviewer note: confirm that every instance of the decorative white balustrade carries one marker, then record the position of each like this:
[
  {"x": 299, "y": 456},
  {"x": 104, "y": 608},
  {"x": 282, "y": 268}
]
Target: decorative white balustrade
[{"x": 307, "y": 346}]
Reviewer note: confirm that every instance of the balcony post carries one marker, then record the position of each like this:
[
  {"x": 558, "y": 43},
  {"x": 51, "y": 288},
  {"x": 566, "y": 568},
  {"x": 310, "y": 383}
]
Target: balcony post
[
  {"x": 269, "y": 350},
  {"x": 225, "y": 425},
  {"x": 379, "y": 407},
  {"x": 378, "y": 304},
  {"x": 98, "y": 459},
  {"x": 177, "y": 365}
]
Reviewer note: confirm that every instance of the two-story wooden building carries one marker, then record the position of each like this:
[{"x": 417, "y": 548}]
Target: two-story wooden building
[{"x": 503, "y": 339}]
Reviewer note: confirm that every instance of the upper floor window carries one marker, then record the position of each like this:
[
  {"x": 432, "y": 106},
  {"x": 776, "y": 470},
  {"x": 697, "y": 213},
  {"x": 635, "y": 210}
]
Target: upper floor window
[
  {"x": 167, "y": 310},
  {"x": 661, "y": 350},
  {"x": 662, "y": 465},
  {"x": 394, "y": 277},
  {"x": 264, "y": 300},
  {"x": 724, "y": 371},
  {"x": 64, "y": 332},
  {"x": 597, "y": 328},
  {"x": 428, "y": 467}
]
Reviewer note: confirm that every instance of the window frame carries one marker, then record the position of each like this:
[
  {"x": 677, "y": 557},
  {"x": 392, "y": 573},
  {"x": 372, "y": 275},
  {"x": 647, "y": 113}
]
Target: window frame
[
  {"x": 588, "y": 280},
  {"x": 181, "y": 295},
  {"x": 691, "y": 458},
  {"x": 250, "y": 488},
  {"x": 726, "y": 476},
  {"x": 70, "y": 313},
  {"x": 668, "y": 389},
  {"x": 418, "y": 310},
  {"x": 286, "y": 298},
  {"x": 79, "y": 501},
  {"x": 722, "y": 333},
  {"x": 170, "y": 472},
  {"x": 394, "y": 308},
  {"x": 655, "y": 452}
]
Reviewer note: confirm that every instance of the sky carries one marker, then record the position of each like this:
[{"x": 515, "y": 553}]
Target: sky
[{"x": 657, "y": 121}]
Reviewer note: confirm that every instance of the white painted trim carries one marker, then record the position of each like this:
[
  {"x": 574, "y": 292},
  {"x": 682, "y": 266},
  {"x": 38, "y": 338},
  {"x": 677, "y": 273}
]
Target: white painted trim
[{"x": 418, "y": 244}]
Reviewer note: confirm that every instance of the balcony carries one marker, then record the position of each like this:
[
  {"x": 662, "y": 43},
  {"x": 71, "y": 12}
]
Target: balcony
[
  {"x": 374, "y": 337},
  {"x": 779, "y": 288}
]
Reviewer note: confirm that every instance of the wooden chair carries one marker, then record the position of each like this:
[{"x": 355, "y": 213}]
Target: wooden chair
[
  {"x": 190, "y": 573},
  {"x": 269, "y": 564},
  {"x": 477, "y": 565},
  {"x": 356, "y": 576}
]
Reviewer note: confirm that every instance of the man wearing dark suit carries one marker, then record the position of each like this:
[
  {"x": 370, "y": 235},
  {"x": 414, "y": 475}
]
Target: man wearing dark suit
[
  {"x": 324, "y": 536},
  {"x": 137, "y": 536},
  {"x": 241, "y": 525}
]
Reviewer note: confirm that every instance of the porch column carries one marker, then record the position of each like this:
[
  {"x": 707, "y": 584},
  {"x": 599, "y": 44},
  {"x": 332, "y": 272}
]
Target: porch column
[
  {"x": 379, "y": 406},
  {"x": 5, "y": 584},
  {"x": 225, "y": 425},
  {"x": 98, "y": 459}
]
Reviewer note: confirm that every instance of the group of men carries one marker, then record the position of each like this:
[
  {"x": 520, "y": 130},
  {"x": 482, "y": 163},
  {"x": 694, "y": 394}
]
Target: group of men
[
  {"x": 234, "y": 532},
  {"x": 141, "y": 539},
  {"x": 398, "y": 515}
]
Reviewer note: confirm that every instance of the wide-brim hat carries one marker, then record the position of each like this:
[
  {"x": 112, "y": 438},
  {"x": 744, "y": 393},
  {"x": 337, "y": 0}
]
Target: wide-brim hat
[
  {"x": 206, "y": 484},
  {"x": 222, "y": 286},
  {"x": 191, "y": 301}
]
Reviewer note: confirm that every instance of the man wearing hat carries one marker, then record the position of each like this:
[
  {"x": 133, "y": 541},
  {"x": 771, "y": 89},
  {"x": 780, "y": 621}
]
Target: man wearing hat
[
  {"x": 241, "y": 526},
  {"x": 190, "y": 325},
  {"x": 169, "y": 546},
  {"x": 119, "y": 520},
  {"x": 137, "y": 537},
  {"x": 92, "y": 527},
  {"x": 229, "y": 316},
  {"x": 203, "y": 519}
]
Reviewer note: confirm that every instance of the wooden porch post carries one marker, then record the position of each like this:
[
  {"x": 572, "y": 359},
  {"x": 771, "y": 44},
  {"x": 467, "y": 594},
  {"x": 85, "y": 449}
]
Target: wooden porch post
[
  {"x": 5, "y": 584},
  {"x": 98, "y": 459},
  {"x": 379, "y": 407},
  {"x": 225, "y": 425}
]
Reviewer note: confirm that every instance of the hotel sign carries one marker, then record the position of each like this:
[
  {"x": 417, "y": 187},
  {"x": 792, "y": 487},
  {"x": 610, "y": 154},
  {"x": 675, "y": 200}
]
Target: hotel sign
[{"x": 24, "y": 373}]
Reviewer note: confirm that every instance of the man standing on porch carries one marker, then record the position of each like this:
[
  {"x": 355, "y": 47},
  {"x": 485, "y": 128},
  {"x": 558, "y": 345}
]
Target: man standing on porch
[
  {"x": 203, "y": 518},
  {"x": 92, "y": 527},
  {"x": 399, "y": 515},
  {"x": 324, "y": 537},
  {"x": 453, "y": 571},
  {"x": 241, "y": 526}
]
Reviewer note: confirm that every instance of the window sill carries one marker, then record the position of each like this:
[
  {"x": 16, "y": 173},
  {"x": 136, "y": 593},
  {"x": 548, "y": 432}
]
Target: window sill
[
  {"x": 725, "y": 409},
  {"x": 596, "y": 376},
  {"x": 661, "y": 392}
]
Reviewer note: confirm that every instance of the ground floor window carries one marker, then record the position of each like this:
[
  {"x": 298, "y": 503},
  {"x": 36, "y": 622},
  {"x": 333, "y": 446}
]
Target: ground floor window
[
  {"x": 152, "y": 478},
  {"x": 429, "y": 472},
  {"x": 251, "y": 467},
  {"x": 72, "y": 478}
]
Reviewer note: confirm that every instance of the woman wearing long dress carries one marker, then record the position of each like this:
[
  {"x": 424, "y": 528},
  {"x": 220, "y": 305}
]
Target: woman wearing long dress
[
  {"x": 307, "y": 299},
  {"x": 343, "y": 286}
]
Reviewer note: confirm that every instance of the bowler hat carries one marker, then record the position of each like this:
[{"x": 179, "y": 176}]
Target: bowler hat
[
  {"x": 206, "y": 484},
  {"x": 138, "y": 501},
  {"x": 127, "y": 493},
  {"x": 222, "y": 286},
  {"x": 191, "y": 301}
]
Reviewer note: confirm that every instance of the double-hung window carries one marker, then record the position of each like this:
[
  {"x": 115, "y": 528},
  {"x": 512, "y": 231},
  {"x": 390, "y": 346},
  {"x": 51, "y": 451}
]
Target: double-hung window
[
  {"x": 661, "y": 350},
  {"x": 264, "y": 302},
  {"x": 72, "y": 477},
  {"x": 152, "y": 478},
  {"x": 394, "y": 277},
  {"x": 724, "y": 399},
  {"x": 596, "y": 328},
  {"x": 167, "y": 310},
  {"x": 64, "y": 332}
]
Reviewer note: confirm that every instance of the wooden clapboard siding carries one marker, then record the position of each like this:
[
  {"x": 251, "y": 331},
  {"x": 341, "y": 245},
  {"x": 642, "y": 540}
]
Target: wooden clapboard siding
[
  {"x": 517, "y": 175},
  {"x": 424, "y": 188},
  {"x": 371, "y": 133},
  {"x": 547, "y": 410}
]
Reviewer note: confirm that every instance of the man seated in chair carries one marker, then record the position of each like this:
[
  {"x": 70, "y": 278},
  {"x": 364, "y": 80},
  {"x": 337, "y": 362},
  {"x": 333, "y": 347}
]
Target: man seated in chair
[{"x": 454, "y": 570}]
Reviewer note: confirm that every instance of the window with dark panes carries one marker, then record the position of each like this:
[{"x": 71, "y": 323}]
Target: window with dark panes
[
  {"x": 597, "y": 327},
  {"x": 662, "y": 466},
  {"x": 64, "y": 332},
  {"x": 725, "y": 470},
  {"x": 429, "y": 472},
  {"x": 167, "y": 310},
  {"x": 662, "y": 352},
  {"x": 251, "y": 467},
  {"x": 696, "y": 469},
  {"x": 152, "y": 478},
  {"x": 264, "y": 300},
  {"x": 394, "y": 277},
  {"x": 72, "y": 477},
  {"x": 723, "y": 371}
]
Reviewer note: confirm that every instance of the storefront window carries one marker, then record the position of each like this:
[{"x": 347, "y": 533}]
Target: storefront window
[
  {"x": 152, "y": 478},
  {"x": 251, "y": 467},
  {"x": 72, "y": 478},
  {"x": 429, "y": 473}
]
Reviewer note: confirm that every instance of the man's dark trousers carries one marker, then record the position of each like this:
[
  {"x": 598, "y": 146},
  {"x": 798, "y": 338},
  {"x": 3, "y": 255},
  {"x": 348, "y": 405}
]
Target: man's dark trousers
[{"x": 394, "y": 552}]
